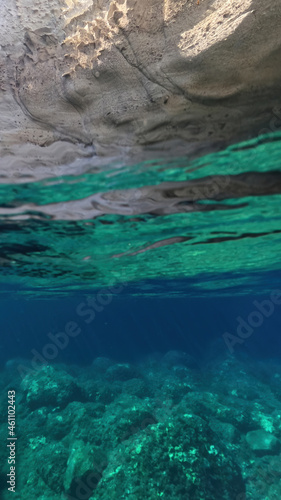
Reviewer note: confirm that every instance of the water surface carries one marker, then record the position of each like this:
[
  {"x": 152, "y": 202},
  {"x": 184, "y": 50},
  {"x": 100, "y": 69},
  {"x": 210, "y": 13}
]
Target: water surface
[{"x": 214, "y": 221}]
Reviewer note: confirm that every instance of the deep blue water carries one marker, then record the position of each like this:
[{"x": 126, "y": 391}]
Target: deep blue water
[{"x": 131, "y": 327}]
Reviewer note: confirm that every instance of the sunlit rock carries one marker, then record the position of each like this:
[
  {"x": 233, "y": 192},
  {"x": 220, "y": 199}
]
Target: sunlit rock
[{"x": 113, "y": 77}]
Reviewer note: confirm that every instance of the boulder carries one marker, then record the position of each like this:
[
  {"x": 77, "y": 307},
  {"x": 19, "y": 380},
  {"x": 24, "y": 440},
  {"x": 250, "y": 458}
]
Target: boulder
[
  {"x": 263, "y": 443},
  {"x": 50, "y": 387}
]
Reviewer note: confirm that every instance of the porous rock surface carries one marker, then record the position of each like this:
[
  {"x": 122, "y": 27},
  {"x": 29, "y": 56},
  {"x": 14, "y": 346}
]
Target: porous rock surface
[{"x": 79, "y": 77}]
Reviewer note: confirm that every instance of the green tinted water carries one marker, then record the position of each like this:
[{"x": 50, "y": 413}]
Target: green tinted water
[{"x": 219, "y": 234}]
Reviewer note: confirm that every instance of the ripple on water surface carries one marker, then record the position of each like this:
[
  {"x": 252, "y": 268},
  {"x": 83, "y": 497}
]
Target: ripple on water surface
[{"x": 207, "y": 225}]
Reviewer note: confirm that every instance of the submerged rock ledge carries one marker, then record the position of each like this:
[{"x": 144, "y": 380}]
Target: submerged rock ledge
[
  {"x": 115, "y": 77},
  {"x": 163, "y": 427}
]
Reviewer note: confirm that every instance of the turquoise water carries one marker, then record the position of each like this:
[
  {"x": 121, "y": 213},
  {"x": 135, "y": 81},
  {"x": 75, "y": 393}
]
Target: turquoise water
[
  {"x": 140, "y": 328},
  {"x": 217, "y": 218}
]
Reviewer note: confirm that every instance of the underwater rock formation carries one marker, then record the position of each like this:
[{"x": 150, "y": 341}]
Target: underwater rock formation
[
  {"x": 79, "y": 77},
  {"x": 45, "y": 387},
  {"x": 211, "y": 433}
]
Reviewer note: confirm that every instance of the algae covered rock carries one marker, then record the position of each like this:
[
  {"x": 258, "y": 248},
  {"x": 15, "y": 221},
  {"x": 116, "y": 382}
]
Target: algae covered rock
[
  {"x": 84, "y": 469},
  {"x": 41, "y": 466},
  {"x": 100, "y": 391},
  {"x": 136, "y": 387},
  {"x": 225, "y": 431},
  {"x": 51, "y": 465},
  {"x": 125, "y": 417},
  {"x": 180, "y": 459},
  {"x": 263, "y": 443},
  {"x": 175, "y": 389},
  {"x": 213, "y": 406},
  {"x": 87, "y": 424},
  {"x": 50, "y": 387}
]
